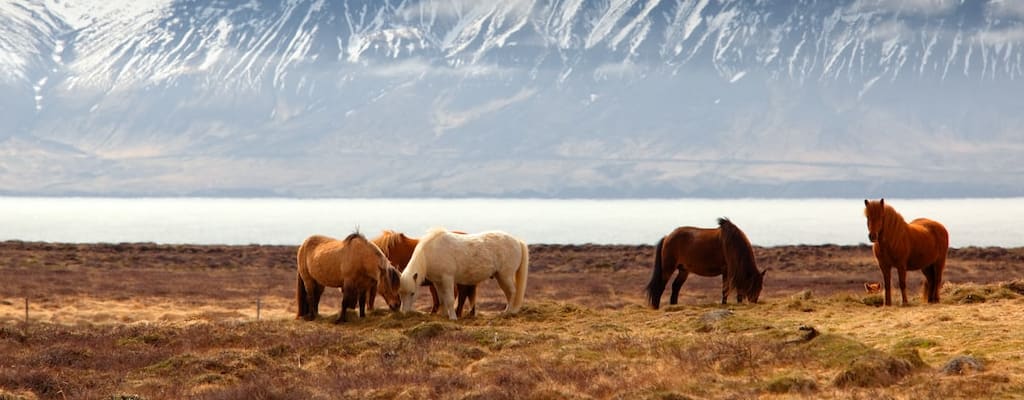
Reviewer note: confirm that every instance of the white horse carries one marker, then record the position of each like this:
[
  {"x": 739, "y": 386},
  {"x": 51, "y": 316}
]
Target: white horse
[{"x": 446, "y": 258}]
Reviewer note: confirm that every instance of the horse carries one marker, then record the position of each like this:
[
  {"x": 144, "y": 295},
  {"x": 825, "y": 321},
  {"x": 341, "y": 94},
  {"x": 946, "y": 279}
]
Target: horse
[
  {"x": 398, "y": 248},
  {"x": 447, "y": 259},
  {"x": 724, "y": 251},
  {"x": 920, "y": 245},
  {"x": 355, "y": 265}
]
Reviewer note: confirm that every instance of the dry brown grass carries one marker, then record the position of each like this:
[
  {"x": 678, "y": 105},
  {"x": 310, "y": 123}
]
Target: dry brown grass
[
  {"x": 174, "y": 332},
  {"x": 552, "y": 350}
]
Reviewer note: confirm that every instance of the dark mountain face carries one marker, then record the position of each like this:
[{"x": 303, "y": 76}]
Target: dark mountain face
[{"x": 512, "y": 98}]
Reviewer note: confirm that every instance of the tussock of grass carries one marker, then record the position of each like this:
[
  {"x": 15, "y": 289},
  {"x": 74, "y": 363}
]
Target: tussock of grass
[
  {"x": 5, "y": 395},
  {"x": 968, "y": 293},
  {"x": 430, "y": 330},
  {"x": 792, "y": 385},
  {"x": 874, "y": 300},
  {"x": 873, "y": 370},
  {"x": 1016, "y": 286}
]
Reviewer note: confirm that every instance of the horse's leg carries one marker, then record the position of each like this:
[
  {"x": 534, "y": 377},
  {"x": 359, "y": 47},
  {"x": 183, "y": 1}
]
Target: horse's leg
[
  {"x": 466, "y": 292},
  {"x": 362, "y": 303},
  {"x": 446, "y": 295},
  {"x": 725, "y": 288},
  {"x": 901, "y": 273},
  {"x": 313, "y": 291},
  {"x": 433, "y": 296},
  {"x": 677, "y": 284},
  {"x": 887, "y": 281},
  {"x": 507, "y": 284},
  {"x": 317, "y": 295},
  {"x": 371, "y": 297},
  {"x": 938, "y": 267},
  {"x": 472, "y": 299},
  {"x": 461, "y": 295},
  {"x": 349, "y": 297}
]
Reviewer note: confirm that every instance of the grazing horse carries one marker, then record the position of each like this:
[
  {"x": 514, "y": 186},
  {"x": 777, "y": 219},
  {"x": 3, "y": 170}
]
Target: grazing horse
[
  {"x": 447, "y": 259},
  {"x": 721, "y": 251},
  {"x": 355, "y": 265},
  {"x": 920, "y": 245},
  {"x": 398, "y": 248}
]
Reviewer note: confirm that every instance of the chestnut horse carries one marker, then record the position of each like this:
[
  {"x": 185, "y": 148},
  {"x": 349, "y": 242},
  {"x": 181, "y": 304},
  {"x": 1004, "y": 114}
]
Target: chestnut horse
[
  {"x": 355, "y": 265},
  {"x": 447, "y": 258},
  {"x": 721, "y": 251},
  {"x": 920, "y": 245},
  {"x": 398, "y": 248}
]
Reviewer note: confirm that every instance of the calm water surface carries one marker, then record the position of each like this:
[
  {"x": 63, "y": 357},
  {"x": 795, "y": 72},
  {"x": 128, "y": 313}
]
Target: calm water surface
[{"x": 971, "y": 222}]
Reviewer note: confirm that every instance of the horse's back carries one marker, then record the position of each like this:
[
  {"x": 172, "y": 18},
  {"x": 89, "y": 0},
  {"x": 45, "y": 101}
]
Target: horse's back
[
  {"x": 934, "y": 229},
  {"x": 931, "y": 240},
  {"x": 332, "y": 262},
  {"x": 472, "y": 256},
  {"x": 308, "y": 247},
  {"x": 698, "y": 249}
]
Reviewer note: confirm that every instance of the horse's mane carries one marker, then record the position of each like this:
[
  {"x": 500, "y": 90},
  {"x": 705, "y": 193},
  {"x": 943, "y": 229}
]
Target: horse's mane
[
  {"x": 432, "y": 232},
  {"x": 894, "y": 226},
  {"x": 892, "y": 218},
  {"x": 739, "y": 255},
  {"x": 387, "y": 240},
  {"x": 353, "y": 236}
]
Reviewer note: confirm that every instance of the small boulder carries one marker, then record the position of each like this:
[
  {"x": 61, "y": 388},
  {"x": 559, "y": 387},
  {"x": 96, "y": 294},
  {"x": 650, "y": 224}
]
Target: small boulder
[{"x": 963, "y": 364}]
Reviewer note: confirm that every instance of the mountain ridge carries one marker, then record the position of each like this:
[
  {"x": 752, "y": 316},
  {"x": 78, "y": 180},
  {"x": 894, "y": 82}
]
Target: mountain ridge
[{"x": 550, "y": 98}]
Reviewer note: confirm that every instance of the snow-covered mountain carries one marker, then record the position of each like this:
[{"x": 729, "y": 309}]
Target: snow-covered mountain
[{"x": 603, "y": 98}]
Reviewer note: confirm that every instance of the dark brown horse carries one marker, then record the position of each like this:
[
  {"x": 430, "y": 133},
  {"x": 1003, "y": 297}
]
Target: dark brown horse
[
  {"x": 398, "y": 248},
  {"x": 355, "y": 265},
  {"x": 721, "y": 251},
  {"x": 920, "y": 245}
]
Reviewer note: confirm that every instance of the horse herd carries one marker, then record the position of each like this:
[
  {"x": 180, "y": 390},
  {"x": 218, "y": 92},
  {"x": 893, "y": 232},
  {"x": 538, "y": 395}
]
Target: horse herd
[{"x": 452, "y": 264}]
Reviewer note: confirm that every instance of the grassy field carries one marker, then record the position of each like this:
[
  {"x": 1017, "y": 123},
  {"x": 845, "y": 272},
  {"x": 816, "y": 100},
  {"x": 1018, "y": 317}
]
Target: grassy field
[{"x": 167, "y": 332}]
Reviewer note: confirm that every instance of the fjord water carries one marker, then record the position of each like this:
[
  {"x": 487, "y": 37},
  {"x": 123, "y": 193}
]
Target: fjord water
[{"x": 767, "y": 222}]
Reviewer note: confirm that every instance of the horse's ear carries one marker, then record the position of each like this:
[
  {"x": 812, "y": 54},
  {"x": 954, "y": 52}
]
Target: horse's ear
[
  {"x": 881, "y": 202},
  {"x": 866, "y": 202}
]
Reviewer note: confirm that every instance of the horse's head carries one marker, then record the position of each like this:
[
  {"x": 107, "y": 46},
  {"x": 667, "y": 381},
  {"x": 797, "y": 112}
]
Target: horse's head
[
  {"x": 756, "y": 284},
  {"x": 408, "y": 283},
  {"x": 388, "y": 285},
  {"x": 875, "y": 213}
]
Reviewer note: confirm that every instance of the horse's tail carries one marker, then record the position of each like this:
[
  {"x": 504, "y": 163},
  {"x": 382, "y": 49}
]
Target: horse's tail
[
  {"x": 301, "y": 298},
  {"x": 657, "y": 284},
  {"x": 739, "y": 254},
  {"x": 933, "y": 273},
  {"x": 521, "y": 273}
]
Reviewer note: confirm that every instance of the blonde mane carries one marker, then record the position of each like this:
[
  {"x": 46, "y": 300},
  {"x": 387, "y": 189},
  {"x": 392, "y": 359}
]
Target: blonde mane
[
  {"x": 435, "y": 231},
  {"x": 387, "y": 240}
]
